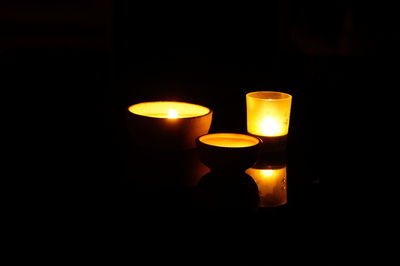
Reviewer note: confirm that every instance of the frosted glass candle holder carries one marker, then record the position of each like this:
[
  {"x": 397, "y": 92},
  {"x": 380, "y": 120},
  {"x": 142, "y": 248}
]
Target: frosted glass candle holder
[{"x": 268, "y": 116}]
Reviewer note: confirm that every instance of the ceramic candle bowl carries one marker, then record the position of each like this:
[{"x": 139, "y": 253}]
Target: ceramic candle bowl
[
  {"x": 168, "y": 125},
  {"x": 228, "y": 151}
]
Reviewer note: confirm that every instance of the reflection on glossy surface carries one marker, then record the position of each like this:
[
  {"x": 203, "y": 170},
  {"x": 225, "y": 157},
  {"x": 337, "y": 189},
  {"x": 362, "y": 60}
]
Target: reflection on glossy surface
[
  {"x": 217, "y": 190},
  {"x": 271, "y": 182},
  {"x": 164, "y": 168}
]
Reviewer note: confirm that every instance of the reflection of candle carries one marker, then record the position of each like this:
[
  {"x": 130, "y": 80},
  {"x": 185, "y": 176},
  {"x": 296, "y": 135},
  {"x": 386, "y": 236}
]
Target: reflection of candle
[
  {"x": 268, "y": 113},
  {"x": 271, "y": 182},
  {"x": 167, "y": 124}
]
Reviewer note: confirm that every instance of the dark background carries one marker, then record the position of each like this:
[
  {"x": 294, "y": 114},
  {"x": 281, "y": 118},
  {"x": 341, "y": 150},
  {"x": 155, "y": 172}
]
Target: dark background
[{"x": 73, "y": 67}]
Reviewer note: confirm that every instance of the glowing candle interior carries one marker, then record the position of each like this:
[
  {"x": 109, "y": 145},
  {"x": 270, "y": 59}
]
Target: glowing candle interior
[
  {"x": 229, "y": 140},
  {"x": 268, "y": 113},
  {"x": 271, "y": 185},
  {"x": 171, "y": 110},
  {"x": 172, "y": 113}
]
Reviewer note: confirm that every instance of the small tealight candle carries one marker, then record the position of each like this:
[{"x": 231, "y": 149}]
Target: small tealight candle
[
  {"x": 168, "y": 124},
  {"x": 271, "y": 182}
]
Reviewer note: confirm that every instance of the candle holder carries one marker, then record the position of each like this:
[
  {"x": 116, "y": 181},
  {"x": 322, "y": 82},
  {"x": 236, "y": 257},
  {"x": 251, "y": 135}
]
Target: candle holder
[
  {"x": 228, "y": 152},
  {"x": 268, "y": 115},
  {"x": 228, "y": 155},
  {"x": 168, "y": 125},
  {"x": 271, "y": 180}
]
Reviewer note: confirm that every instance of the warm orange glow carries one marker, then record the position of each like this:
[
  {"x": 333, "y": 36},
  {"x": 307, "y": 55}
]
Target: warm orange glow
[
  {"x": 270, "y": 127},
  {"x": 271, "y": 185},
  {"x": 172, "y": 114},
  {"x": 268, "y": 113},
  {"x": 267, "y": 173},
  {"x": 229, "y": 140},
  {"x": 168, "y": 109}
]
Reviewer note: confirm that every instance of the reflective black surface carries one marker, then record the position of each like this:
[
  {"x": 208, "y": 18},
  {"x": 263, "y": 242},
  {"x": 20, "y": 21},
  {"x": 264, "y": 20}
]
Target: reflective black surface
[{"x": 71, "y": 91}]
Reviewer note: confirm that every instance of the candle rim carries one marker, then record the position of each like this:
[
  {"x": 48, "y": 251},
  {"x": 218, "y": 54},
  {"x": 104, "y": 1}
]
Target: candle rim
[
  {"x": 191, "y": 117},
  {"x": 287, "y": 96},
  {"x": 259, "y": 141}
]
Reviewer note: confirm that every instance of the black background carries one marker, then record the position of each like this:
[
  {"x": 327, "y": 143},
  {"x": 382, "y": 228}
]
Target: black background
[{"x": 73, "y": 67}]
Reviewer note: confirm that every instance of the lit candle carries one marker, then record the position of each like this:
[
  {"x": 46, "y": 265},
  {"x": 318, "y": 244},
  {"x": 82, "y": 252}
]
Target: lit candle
[
  {"x": 271, "y": 182},
  {"x": 228, "y": 151},
  {"x": 166, "y": 109},
  {"x": 229, "y": 140},
  {"x": 172, "y": 114},
  {"x": 167, "y": 124},
  {"x": 268, "y": 114}
]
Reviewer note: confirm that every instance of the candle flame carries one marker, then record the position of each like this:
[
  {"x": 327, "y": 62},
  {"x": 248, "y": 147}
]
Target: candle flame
[
  {"x": 172, "y": 114},
  {"x": 267, "y": 173},
  {"x": 270, "y": 127}
]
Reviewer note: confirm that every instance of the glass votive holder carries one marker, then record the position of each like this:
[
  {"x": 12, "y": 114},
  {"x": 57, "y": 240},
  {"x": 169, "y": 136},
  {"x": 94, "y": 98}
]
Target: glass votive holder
[{"x": 268, "y": 115}]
